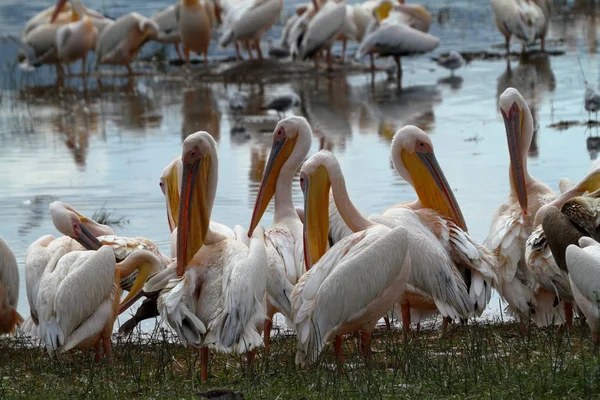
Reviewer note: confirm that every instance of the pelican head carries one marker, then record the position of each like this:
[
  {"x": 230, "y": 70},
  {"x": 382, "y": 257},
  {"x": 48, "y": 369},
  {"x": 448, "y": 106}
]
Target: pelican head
[
  {"x": 415, "y": 161},
  {"x": 147, "y": 264},
  {"x": 71, "y": 223},
  {"x": 291, "y": 143},
  {"x": 199, "y": 178},
  {"x": 519, "y": 132},
  {"x": 315, "y": 183},
  {"x": 170, "y": 182},
  {"x": 77, "y": 9}
]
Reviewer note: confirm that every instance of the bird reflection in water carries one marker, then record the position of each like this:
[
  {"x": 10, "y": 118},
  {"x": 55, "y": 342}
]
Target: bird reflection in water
[
  {"x": 77, "y": 125},
  {"x": 200, "y": 112},
  {"x": 455, "y": 82},
  {"x": 533, "y": 78}
]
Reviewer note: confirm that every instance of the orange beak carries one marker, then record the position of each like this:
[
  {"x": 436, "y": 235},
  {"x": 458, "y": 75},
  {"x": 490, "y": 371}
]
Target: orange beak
[
  {"x": 315, "y": 188},
  {"x": 513, "y": 122},
  {"x": 280, "y": 152},
  {"x": 194, "y": 218}
]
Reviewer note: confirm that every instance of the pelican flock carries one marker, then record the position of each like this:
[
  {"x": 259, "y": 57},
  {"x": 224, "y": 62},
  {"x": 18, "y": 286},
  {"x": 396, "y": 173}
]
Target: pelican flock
[{"x": 328, "y": 269}]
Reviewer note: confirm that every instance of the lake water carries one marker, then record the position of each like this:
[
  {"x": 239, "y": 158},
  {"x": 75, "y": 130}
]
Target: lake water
[{"x": 106, "y": 145}]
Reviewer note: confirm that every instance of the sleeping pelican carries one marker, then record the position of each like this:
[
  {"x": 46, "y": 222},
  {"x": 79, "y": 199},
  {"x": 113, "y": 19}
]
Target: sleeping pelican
[
  {"x": 121, "y": 40},
  {"x": 353, "y": 284},
  {"x": 391, "y": 34},
  {"x": 514, "y": 222},
  {"x": 213, "y": 296},
  {"x": 323, "y": 29},
  {"x": 75, "y": 39},
  {"x": 248, "y": 21},
  {"x": 523, "y": 19},
  {"x": 78, "y": 299},
  {"x": 583, "y": 262},
  {"x": 195, "y": 27},
  {"x": 291, "y": 143},
  {"x": 9, "y": 290}
]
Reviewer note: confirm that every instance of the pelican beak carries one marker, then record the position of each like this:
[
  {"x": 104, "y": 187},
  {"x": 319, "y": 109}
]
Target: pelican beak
[
  {"x": 316, "y": 214},
  {"x": 383, "y": 10},
  {"x": 513, "y": 122},
  {"x": 57, "y": 9},
  {"x": 87, "y": 238},
  {"x": 280, "y": 152},
  {"x": 136, "y": 290},
  {"x": 172, "y": 196},
  {"x": 193, "y": 211},
  {"x": 431, "y": 185}
]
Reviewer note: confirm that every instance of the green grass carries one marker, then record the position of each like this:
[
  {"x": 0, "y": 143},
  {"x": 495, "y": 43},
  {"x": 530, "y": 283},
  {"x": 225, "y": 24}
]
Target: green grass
[{"x": 481, "y": 360}]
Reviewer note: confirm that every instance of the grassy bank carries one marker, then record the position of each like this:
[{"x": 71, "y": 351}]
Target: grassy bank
[{"x": 482, "y": 360}]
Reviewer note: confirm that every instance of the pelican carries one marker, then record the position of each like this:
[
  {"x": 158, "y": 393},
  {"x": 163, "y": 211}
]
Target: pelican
[
  {"x": 392, "y": 35},
  {"x": 514, "y": 222},
  {"x": 292, "y": 139},
  {"x": 78, "y": 299},
  {"x": 213, "y": 295},
  {"x": 523, "y": 19},
  {"x": 352, "y": 285},
  {"x": 91, "y": 235},
  {"x": 249, "y": 21},
  {"x": 75, "y": 39},
  {"x": 583, "y": 263},
  {"x": 323, "y": 29},
  {"x": 121, "y": 40},
  {"x": 195, "y": 27},
  {"x": 9, "y": 290},
  {"x": 64, "y": 16},
  {"x": 168, "y": 27}
]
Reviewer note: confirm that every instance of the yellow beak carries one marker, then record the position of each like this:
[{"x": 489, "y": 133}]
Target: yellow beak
[
  {"x": 171, "y": 182},
  {"x": 316, "y": 215},
  {"x": 513, "y": 122},
  {"x": 136, "y": 291},
  {"x": 383, "y": 10},
  {"x": 431, "y": 185},
  {"x": 280, "y": 152},
  {"x": 194, "y": 218}
]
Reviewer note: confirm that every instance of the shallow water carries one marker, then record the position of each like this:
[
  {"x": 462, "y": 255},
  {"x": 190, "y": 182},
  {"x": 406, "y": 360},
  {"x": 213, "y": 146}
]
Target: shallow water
[{"x": 106, "y": 145}]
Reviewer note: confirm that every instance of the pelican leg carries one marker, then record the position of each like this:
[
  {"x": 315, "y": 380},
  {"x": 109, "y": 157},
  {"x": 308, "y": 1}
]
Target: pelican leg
[
  {"x": 204, "y": 363},
  {"x": 386, "y": 319},
  {"x": 596, "y": 340},
  {"x": 267, "y": 334},
  {"x": 97, "y": 354},
  {"x": 445, "y": 322},
  {"x": 258, "y": 50},
  {"x": 84, "y": 65},
  {"x": 249, "y": 49},
  {"x": 523, "y": 49},
  {"x": 399, "y": 71},
  {"x": 418, "y": 327},
  {"x": 129, "y": 69},
  {"x": 543, "y": 45},
  {"x": 569, "y": 314},
  {"x": 405, "y": 310},
  {"x": 205, "y": 56},
  {"x": 238, "y": 55},
  {"x": 344, "y": 42},
  {"x": 365, "y": 345},
  {"x": 186, "y": 52},
  {"x": 107, "y": 348},
  {"x": 178, "y": 51},
  {"x": 507, "y": 45},
  {"x": 250, "y": 356},
  {"x": 372, "y": 62},
  {"x": 338, "y": 348}
]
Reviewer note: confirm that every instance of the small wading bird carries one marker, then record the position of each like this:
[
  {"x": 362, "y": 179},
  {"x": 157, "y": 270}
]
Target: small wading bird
[
  {"x": 366, "y": 272},
  {"x": 228, "y": 312},
  {"x": 9, "y": 290},
  {"x": 592, "y": 102},
  {"x": 283, "y": 103},
  {"x": 452, "y": 61},
  {"x": 284, "y": 239}
]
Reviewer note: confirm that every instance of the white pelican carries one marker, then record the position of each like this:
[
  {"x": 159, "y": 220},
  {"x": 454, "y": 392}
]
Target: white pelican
[
  {"x": 195, "y": 27},
  {"x": 291, "y": 143},
  {"x": 391, "y": 34},
  {"x": 168, "y": 27},
  {"x": 216, "y": 298},
  {"x": 9, "y": 290},
  {"x": 323, "y": 29},
  {"x": 75, "y": 39},
  {"x": 78, "y": 298},
  {"x": 249, "y": 21},
  {"x": 64, "y": 16},
  {"x": 583, "y": 263},
  {"x": 120, "y": 41},
  {"x": 523, "y": 19},
  {"x": 353, "y": 284},
  {"x": 514, "y": 222}
]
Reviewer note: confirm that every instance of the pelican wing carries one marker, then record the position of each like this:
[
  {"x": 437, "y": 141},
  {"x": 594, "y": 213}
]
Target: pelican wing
[
  {"x": 584, "y": 270},
  {"x": 357, "y": 271},
  {"x": 9, "y": 273},
  {"x": 323, "y": 28},
  {"x": 258, "y": 16},
  {"x": 167, "y": 21},
  {"x": 290, "y": 252},
  {"x": 397, "y": 40}
]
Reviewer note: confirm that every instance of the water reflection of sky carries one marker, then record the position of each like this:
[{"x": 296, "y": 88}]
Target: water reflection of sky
[{"x": 108, "y": 143}]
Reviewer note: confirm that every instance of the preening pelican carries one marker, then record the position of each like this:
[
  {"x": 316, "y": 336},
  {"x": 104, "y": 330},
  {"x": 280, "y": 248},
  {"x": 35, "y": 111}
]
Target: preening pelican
[
  {"x": 353, "y": 284},
  {"x": 583, "y": 263},
  {"x": 249, "y": 21},
  {"x": 391, "y": 35},
  {"x": 291, "y": 143},
  {"x": 168, "y": 27},
  {"x": 121, "y": 40},
  {"x": 228, "y": 311},
  {"x": 9, "y": 290},
  {"x": 195, "y": 27},
  {"x": 513, "y": 222},
  {"x": 78, "y": 299},
  {"x": 323, "y": 29},
  {"x": 75, "y": 39},
  {"x": 64, "y": 16},
  {"x": 523, "y": 19}
]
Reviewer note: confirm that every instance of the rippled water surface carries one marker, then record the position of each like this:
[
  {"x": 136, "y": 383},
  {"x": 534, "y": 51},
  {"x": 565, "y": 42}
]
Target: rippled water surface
[{"x": 106, "y": 144}]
